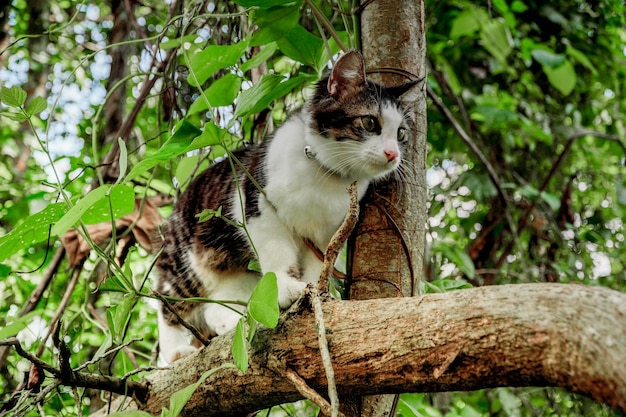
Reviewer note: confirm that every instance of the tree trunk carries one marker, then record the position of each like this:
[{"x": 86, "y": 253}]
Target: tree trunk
[
  {"x": 387, "y": 250},
  {"x": 570, "y": 336}
]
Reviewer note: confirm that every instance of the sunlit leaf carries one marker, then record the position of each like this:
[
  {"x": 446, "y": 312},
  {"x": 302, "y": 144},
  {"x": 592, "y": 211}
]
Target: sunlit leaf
[
  {"x": 179, "y": 399},
  {"x": 270, "y": 88},
  {"x": 300, "y": 45},
  {"x": 274, "y": 23},
  {"x": 36, "y": 105},
  {"x": 12, "y": 96},
  {"x": 17, "y": 325},
  {"x": 263, "y": 304},
  {"x": 222, "y": 92},
  {"x": 260, "y": 58},
  {"x": 497, "y": 39},
  {"x": 175, "y": 146},
  {"x": 120, "y": 200},
  {"x": 563, "y": 77},
  {"x": 548, "y": 58},
  {"x": 32, "y": 230},
  {"x": 468, "y": 22},
  {"x": 205, "y": 63},
  {"x": 123, "y": 159},
  {"x": 240, "y": 346},
  {"x": 118, "y": 315},
  {"x": 18, "y": 117}
]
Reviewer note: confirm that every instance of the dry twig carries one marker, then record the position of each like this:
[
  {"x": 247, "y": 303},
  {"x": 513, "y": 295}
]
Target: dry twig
[{"x": 338, "y": 239}]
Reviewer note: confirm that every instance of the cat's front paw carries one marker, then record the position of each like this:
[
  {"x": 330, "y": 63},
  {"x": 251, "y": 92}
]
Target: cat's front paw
[{"x": 289, "y": 290}]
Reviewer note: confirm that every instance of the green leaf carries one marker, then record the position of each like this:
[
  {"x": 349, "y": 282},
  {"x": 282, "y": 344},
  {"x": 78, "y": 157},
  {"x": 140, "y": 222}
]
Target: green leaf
[
  {"x": 122, "y": 202},
  {"x": 207, "y": 214},
  {"x": 123, "y": 160},
  {"x": 252, "y": 327},
  {"x": 173, "y": 147},
  {"x": 548, "y": 58},
  {"x": 33, "y": 230},
  {"x": 270, "y": 88},
  {"x": 18, "y": 117},
  {"x": 445, "y": 285},
  {"x": 17, "y": 325},
  {"x": 581, "y": 58},
  {"x": 119, "y": 315},
  {"x": 265, "y": 4},
  {"x": 300, "y": 45},
  {"x": 4, "y": 271},
  {"x": 263, "y": 304},
  {"x": 497, "y": 39},
  {"x": 75, "y": 213},
  {"x": 211, "y": 59},
  {"x": 221, "y": 93},
  {"x": 181, "y": 397},
  {"x": 468, "y": 22},
  {"x": 211, "y": 135},
  {"x": 274, "y": 23},
  {"x": 94, "y": 207},
  {"x": 494, "y": 116},
  {"x": 518, "y": 6},
  {"x": 260, "y": 58},
  {"x": 36, "y": 105},
  {"x": 254, "y": 265},
  {"x": 13, "y": 96},
  {"x": 563, "y": 78},
  {"x": 240, "y": 346}
]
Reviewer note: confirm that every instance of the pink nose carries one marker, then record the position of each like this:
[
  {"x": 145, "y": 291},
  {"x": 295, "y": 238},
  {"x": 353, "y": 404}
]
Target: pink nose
[{"x": 390, "y": 154}]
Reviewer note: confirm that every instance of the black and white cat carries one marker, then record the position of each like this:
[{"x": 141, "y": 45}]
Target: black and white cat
[{"x": 350, "y": 130}]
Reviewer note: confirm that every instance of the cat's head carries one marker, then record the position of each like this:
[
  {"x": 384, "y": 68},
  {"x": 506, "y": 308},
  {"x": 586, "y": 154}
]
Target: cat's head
[{"x": 360, "y": 128}]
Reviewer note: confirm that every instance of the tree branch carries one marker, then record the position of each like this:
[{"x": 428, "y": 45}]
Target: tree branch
[{"x": 570, "y": 336}]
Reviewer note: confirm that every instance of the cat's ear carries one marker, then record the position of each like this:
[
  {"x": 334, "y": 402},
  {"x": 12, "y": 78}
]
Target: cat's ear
[
  {"x": 348, "y": 73},
  {"x": 398, "y": 91}
]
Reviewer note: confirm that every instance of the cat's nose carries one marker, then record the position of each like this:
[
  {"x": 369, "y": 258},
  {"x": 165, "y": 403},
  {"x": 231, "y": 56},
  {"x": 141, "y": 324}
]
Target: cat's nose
[{"x": 390, "y": 154}]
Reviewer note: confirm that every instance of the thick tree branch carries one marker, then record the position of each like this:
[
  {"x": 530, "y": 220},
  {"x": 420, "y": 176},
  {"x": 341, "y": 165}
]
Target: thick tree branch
[{"x": 570, "y": 336}]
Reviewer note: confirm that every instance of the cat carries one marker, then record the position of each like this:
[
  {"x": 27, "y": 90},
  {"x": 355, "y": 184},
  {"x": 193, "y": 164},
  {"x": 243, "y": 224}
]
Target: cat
[{"x": 352, "y": 129}]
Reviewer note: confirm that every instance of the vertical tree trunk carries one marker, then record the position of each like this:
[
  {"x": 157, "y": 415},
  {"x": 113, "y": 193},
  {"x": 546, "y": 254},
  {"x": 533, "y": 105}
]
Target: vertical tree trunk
[{"x": 388, "y": 242}]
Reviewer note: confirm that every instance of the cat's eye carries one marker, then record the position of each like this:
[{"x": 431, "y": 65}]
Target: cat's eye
[
  {"x": 403, "y": 134},
  {"x": 370, "y": 123}
]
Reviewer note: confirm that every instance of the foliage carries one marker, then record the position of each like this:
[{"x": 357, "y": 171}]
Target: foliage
[{"x": 120, "y": 103}]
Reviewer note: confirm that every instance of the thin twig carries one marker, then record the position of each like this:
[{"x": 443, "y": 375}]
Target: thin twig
[
  {"x": 325, "y": 353},
  {"x": 302, "y": 387},
  {"x": 182, "y": 321},
  {"x": 338, "y": 239},
  {"x": 31, "y": 358},
  {"x": 300, "y": 384},
  {"x": 322, "y": 19},
  {"x": 107, "y": 353}
]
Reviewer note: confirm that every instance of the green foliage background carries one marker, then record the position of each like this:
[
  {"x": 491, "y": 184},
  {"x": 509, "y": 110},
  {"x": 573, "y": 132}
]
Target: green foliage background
[{"x": 537, "y": 88}]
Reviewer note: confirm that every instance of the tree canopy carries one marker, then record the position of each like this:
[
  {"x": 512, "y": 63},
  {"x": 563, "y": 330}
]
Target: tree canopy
[{"x": 108, "y": 108}]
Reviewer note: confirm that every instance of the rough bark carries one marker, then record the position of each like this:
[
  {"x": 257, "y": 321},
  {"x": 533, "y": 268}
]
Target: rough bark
[
  {"x": 388, "y": 245},
  {"x": 512, "y": 335}
]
